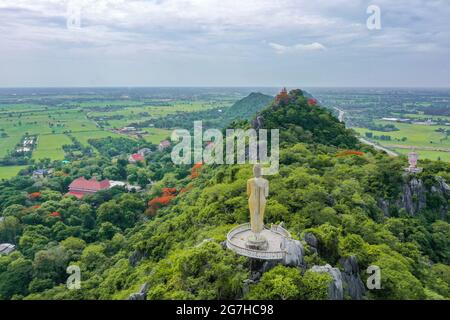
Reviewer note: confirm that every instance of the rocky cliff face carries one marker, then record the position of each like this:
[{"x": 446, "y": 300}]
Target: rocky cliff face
[
  {"x": 352, "y": 284},
  {"x": 442, "y": 190},
  {"x": 335, "y": 290},
  {"x": 413, "y": 198},
  {"x": 347, "y": 282},
  {"x": 295, "y": 253},
  {"x": 414, "y": 195},
  {"x": 141, "y": 295}
]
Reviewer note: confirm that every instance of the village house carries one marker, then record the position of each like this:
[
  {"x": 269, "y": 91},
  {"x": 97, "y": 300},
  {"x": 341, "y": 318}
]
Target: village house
[
  {"x": 81, "y": 187},
  {"x": 23, "y": 149},
  {"x": 6, "y": 248},
  {"x": 40, "y": 173},
  {"x": 127, "y": 129},
  {"x": 144, "y": 151},
  {"x": 164, "y": 145},
  {"x": 27, "y": 145},
  {"x": 135, "y": 157},
  {"x": 428, "y": 122}
]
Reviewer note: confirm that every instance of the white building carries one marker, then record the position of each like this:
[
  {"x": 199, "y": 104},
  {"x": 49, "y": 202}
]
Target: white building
[
  {"x": 126, "y": 185},
  {"x": 144, "y": 151},
  {"x": 6, "y": 248}
]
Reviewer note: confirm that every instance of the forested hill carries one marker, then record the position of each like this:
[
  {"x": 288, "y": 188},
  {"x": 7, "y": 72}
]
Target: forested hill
[
  {"x": 300, "y": 119},
  {"x": 243, "y": 109},
  {"x": 350, "y": 209}
]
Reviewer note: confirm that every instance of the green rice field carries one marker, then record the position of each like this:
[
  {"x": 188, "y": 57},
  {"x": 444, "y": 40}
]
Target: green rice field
[
  {"x": 50, "y": 146},
  {"x": 429, "y": 143},
  {"x": 10, "y": 171}
]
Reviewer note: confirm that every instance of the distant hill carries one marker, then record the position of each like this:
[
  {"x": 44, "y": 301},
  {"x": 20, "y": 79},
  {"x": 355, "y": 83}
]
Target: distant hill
[
  {"x": 242, "y": 110},
  {"x": 246, "y": 108}
]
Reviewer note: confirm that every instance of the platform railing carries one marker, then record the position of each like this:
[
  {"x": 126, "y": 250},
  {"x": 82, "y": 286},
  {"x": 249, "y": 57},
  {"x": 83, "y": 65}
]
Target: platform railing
[{"x": 266, "y": 255}]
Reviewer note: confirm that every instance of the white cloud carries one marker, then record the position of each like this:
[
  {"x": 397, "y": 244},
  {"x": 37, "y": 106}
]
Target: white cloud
[
  {"x": 187, "y": 23},
  {"x": 222, "y": 32},
  {"x": 281, "y": 49}
]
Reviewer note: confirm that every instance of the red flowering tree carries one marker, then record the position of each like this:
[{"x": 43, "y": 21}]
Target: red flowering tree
[
  {"x": 169, "y": 191},
  {"x": 195, "y": 171},
  {"x": 55, "y": 214},
  {"x": 35, "y": 195},
  {"x": 157, "y": 203},
  {"x": 349, "y": 153},
  {"x": 161, "y": 201},
  {"x": 312, "y": 102}
]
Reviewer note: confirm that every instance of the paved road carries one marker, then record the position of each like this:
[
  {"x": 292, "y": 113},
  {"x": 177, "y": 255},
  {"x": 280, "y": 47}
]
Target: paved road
[{"x": 376, "y": 146}]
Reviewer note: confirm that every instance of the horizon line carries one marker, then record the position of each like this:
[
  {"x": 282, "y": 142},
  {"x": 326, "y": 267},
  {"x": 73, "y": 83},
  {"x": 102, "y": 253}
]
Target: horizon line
[{"x": 212, "y": 87}]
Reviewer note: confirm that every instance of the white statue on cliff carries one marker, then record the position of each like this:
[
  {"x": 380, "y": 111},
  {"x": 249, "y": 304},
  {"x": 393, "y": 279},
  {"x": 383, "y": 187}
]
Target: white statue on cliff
[{"x": 412, "y": 160}]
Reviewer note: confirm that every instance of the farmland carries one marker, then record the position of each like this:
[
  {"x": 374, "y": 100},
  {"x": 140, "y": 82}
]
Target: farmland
[
  {"x": 50, "y": 146},
  {"x": 59, "y": 118},
  {"x": 426, "y": 140},
  {"x": 7, "y": 172},
  {"x": 420, "y": 118}
]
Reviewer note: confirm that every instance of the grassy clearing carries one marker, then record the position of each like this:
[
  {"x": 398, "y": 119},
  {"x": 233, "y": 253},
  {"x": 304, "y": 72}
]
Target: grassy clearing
[
  {"x": 50, "y": 146},
  {"x": 9, "y": 172},
  {"x": 156, "y": 135},
  {"x": 8, "y": 144}
]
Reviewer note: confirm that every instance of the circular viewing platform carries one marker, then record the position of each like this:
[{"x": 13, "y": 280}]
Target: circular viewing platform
[{"x": 276, "y": 235}]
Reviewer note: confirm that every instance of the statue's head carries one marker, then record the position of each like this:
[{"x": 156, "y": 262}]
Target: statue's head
[{"x": 257, "y": 170}]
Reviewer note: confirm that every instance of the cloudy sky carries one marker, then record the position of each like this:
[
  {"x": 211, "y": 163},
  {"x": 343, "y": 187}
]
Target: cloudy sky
[{"x": 223, "y": 43}]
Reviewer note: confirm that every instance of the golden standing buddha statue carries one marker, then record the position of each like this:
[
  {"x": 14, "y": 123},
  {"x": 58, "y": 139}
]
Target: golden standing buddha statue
[{"x": 257, "y": 191}]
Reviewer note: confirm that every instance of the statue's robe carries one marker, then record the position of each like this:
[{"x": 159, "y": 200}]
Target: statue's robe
[{"x": 257, "y": 191}]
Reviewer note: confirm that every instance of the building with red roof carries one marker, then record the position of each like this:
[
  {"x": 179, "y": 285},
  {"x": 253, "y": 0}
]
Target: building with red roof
[
  {"x": 81, "y": 186},
  {"x": 136, "y": 157}
]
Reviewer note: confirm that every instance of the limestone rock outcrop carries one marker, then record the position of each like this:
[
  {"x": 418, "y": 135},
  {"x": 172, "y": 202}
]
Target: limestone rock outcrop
[
  {"x": 311, "y": 241},
  {"x": 335, "y": 290},
  {"x": 135, "y": 257},
  {"x": 294, "y": 253},
  {"x": 413, "y": 197},
  {"x": 141, "y": 295},
  {"x": 352, "y": 284}
]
